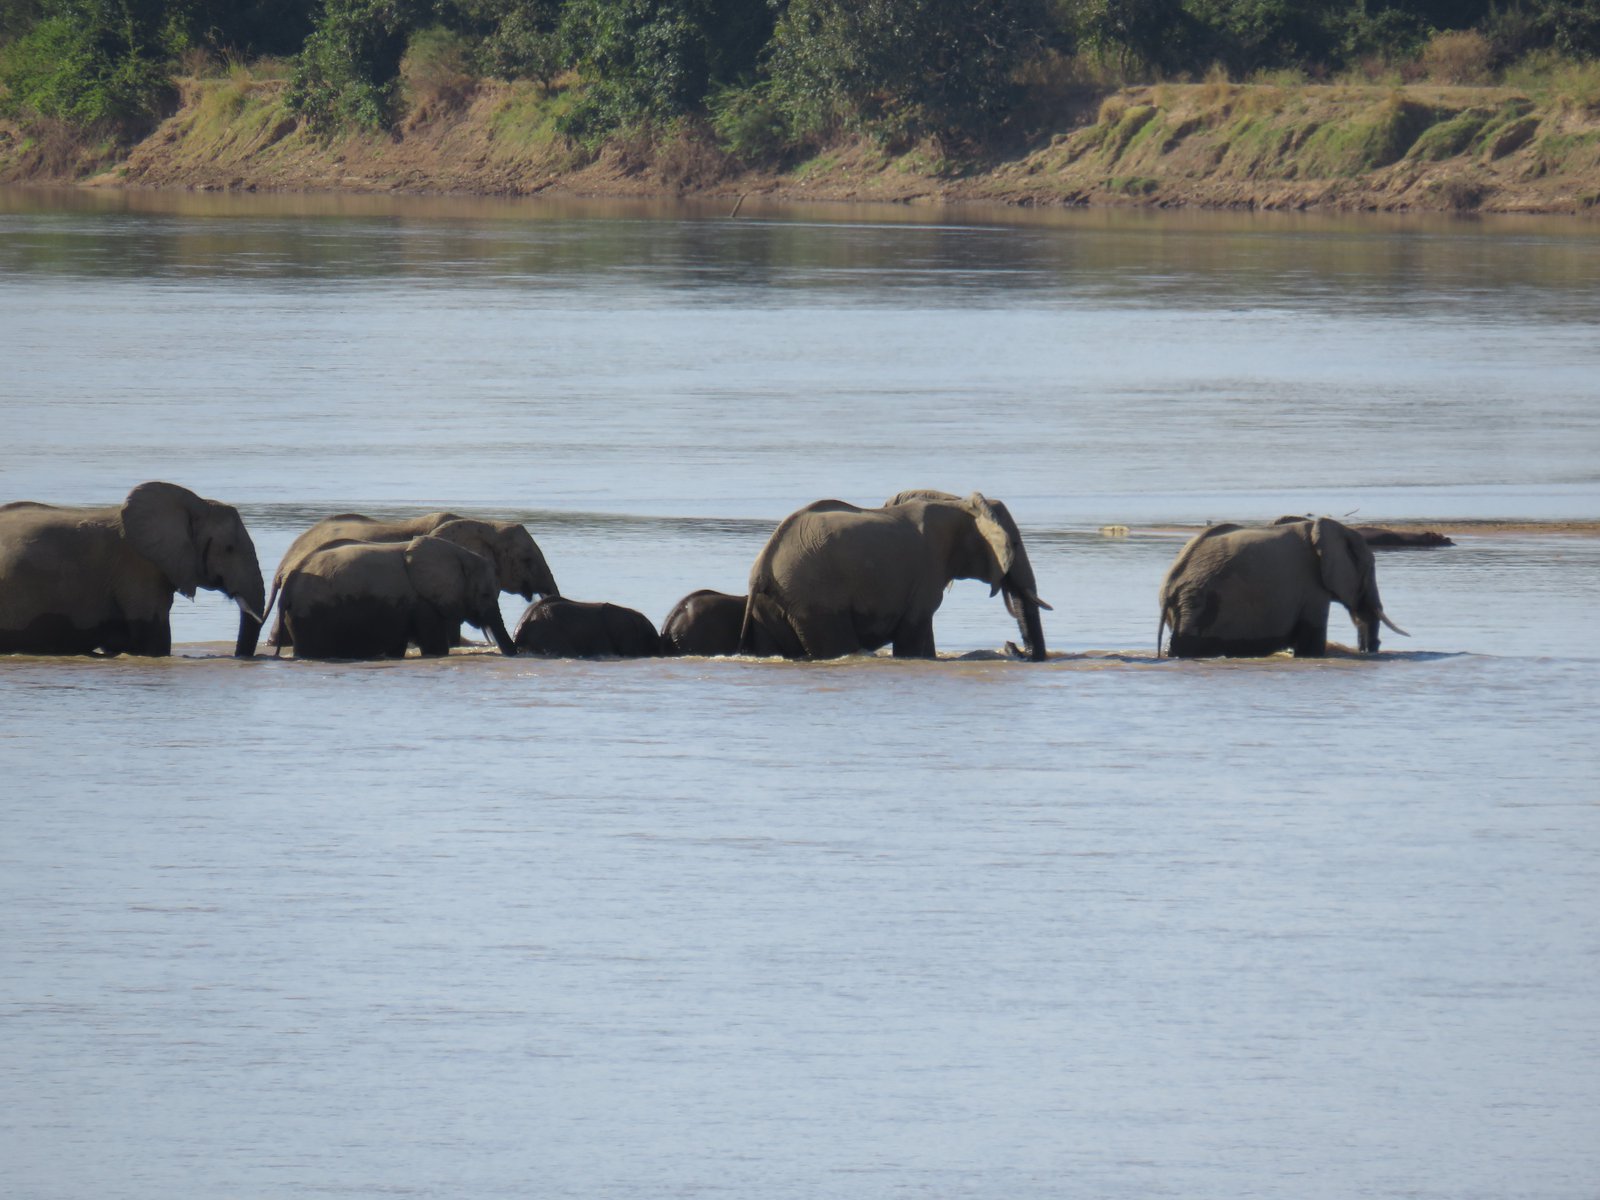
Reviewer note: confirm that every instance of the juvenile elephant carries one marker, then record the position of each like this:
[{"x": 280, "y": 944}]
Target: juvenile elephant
[
  {"x": 707, "y": 624},
  {"x": 373, "y": 599},
  {"x": 1240, "y": 592},
  {"x": 80, "y": 580},
  {"x": 835, "y": 579},
  {"x": 518, "y": 561},
  {"x": 555, "y": 627}
]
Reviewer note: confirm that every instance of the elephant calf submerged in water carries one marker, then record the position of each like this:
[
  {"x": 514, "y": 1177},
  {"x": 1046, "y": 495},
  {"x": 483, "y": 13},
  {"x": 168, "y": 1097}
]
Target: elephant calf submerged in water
[
  {"x": 835, "y": 579},
  {"x": 373, "y": 599},
  {"x": 1235, "y": 591},
  {"x": 81, "y": 580},
  {"x": 556, "y": 627},
  {"x": 707, "y": 624}
]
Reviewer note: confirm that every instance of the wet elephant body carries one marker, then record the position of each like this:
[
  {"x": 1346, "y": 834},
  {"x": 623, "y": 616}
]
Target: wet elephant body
[
  {"x": 1246, "y": 591},
  {"x": 835, "y": 579},
  {"x": 102, "y": 580},
  {"x": 707, "y": 623},
  {"x": 519, "y": 564},
  {"x": 555, "y": 627},
  {"x": 374, "y": 599}
]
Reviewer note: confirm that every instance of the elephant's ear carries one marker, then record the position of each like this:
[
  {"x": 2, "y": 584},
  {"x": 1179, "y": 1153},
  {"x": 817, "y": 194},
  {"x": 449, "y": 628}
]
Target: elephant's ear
[
  {"x": 994, "y": 532},
  {"x": 475, "y": 536},
  {"x": 158, "y": 519},
  {"x": 1346, "y": 561},
  {"x": 437, "y": 569}
]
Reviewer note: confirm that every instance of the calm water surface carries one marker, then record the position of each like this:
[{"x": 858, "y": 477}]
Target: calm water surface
[{"x": 1110, "y": 926}]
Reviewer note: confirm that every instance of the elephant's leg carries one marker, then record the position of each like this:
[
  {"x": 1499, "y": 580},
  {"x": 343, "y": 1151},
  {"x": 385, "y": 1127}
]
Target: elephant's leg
[
  {"x": 1309, "y": 638},
  {"x": 914, "y": 639},
  {"x": 433, "y": 633},
  {"x": 1192, "y": 646},
  {"x": 280, "y": 636},
  {"x": 827, "y": 635},
  {"x": 150, "y": 638},
  {"x": 353, "y": 629}
]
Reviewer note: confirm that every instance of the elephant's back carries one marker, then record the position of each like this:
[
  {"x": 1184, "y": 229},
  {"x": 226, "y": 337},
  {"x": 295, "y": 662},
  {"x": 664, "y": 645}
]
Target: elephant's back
[
  {"x": 351, "y": 563},
  {"x": 704, "y": 623},
  {"x": 47, "y": 538},
  {"x": 354, "y": 527}
]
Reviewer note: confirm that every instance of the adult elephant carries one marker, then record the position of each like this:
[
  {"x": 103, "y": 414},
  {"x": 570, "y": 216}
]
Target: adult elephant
[
  {"x": 374, "y": 599},
  {"x": 555, "y": 627},
  {"x": 518, "y": 561},
  {"x": 81, "y": 580},
  {"x": 834, "y": 579},
  {"x": 707, "y": 623},
  {"x": 1241, "y": 591}
]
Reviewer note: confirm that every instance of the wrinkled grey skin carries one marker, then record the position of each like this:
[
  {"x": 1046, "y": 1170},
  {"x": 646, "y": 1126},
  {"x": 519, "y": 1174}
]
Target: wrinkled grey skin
[
  {"x": 707, "y": 624},
  {"x": 556, "y": 627},
  {"x": 1019, "y": 584},
  {"x": 517, "y": 559},
  {"x": 374, "y": 599},
  {"x": 88, "y": 580},
  {"x": 835, "y": 579},
  {"x": 1239, "y": 591}
]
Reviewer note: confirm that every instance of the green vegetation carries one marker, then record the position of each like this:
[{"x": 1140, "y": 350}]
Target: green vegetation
[{"x": 775, "y": 80}]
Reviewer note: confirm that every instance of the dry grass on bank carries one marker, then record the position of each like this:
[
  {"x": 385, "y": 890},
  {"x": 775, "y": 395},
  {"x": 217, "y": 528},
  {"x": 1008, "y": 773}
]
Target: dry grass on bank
[{"x": 1435, "y": 144}]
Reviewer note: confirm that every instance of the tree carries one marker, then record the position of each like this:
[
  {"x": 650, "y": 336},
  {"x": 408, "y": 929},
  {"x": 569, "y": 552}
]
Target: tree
[
  {"x": 651, "y": 59},
  {"x": 346, "y": 72},
  {"x": 90, "y": 62},
  {"x": 1135, "y": 34},
  {"x": 911, "y": 67}
]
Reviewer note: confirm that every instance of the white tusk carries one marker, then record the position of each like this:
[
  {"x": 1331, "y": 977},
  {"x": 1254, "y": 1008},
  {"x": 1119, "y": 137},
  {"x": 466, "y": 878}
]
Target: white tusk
[
  {"x": 1385, "y": 619},
  {"x": 1032, "y": 599},
  {"x": 250, "y": 612}
]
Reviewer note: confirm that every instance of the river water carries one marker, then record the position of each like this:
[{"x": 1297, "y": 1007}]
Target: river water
[{"x": 1109, "y": 926}]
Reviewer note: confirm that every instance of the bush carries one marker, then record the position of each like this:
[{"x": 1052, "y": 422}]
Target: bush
[
  {"x": 93, "y": 62},
  {"x": 1462, "y": 57},
  {"x": 347, "y": 71},
  {"x": 645, "y": 62},
  {"x": 906, "y": 68},
  {"x": 435, "y": 72},
  {"x": 751, "y": 125},
  {"x": 519, "y": 39}
]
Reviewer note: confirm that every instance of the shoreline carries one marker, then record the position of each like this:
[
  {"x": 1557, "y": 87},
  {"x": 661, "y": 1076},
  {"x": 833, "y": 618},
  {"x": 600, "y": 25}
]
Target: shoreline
[{"x": 1330, "y": 148}]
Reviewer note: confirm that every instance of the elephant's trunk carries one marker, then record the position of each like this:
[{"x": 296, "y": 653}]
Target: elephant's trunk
[
  {"x": 249, "y": 632},
  {"x": 1025, "y": 606},
  {"x": 495, "y": 627}
]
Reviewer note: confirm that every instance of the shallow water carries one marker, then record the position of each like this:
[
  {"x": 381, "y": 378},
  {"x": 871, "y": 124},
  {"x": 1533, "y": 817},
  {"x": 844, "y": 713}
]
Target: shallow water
[{"x": 1109, "y": 926}]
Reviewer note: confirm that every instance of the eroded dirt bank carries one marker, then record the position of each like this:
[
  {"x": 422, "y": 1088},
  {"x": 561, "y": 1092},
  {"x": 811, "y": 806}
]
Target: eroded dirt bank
[{"x": 1336, "y": 147}]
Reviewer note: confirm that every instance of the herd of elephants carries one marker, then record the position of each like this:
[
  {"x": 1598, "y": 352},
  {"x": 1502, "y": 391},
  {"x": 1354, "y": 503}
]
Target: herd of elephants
[{"x": 833, "y": 579}]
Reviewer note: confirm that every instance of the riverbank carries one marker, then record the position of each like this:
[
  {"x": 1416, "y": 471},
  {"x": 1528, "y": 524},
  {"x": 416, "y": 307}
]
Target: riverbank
[{"x": 1339, "y": 147}]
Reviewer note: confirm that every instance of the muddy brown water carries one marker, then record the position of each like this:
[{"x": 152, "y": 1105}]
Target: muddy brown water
[{"x": 1109, "y": 926}]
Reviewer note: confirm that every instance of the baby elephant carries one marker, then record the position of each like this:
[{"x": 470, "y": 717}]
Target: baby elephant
[
  {"x": 555, "y": 627},
  {"x": 707, "y": 623},
  {"x": 373, "y": 599}
]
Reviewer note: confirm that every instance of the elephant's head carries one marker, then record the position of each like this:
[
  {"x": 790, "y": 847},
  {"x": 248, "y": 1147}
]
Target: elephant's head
[
  {"x": 517, "y": 559},
  {"x": 1007, "y": 568},
  {"x": 198, "y": 543},
  {"x": 1349, "y": 573},
  {"x": 460, "y": 584}
]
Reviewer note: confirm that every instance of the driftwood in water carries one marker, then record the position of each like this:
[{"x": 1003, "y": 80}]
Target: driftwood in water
[{"x": 1380, "y": 537}]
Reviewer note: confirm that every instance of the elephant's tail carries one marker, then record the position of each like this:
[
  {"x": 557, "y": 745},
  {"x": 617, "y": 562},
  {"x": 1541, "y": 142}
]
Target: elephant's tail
[
  {"x": 1161, "y": 628},
  {"x": 764, "y": 615},
  {"x": 276, "y": 634}
]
